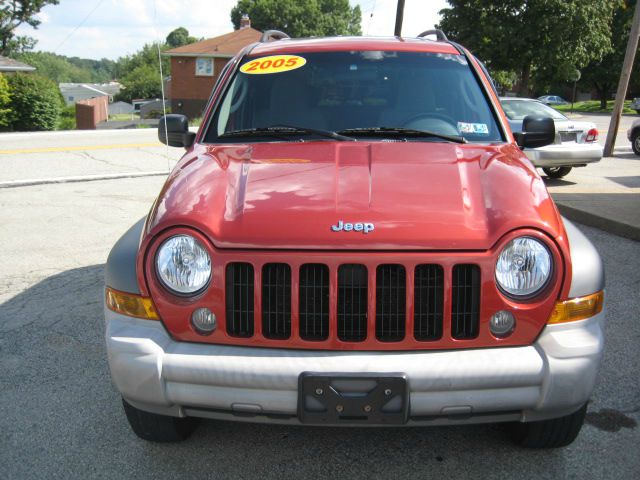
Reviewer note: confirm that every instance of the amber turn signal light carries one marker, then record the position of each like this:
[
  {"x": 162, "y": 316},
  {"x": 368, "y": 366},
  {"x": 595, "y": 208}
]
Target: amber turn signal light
[
  {"x": 131, "y": 305},
  {"x": 577, "y": 308}
]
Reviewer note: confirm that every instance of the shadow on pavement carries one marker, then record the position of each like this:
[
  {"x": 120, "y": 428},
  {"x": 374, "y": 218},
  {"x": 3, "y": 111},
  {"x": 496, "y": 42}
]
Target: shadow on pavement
[{"x": 556, "y": 182}]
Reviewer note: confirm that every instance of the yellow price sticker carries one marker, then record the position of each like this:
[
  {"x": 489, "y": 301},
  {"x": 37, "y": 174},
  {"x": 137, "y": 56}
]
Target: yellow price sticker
[{"x": 273, "y": 64}]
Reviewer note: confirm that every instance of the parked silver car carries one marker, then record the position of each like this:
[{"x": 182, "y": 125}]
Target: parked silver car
[
  {"x": 575, "y": 144},
  {"x": 635, "y": 105},
  {"x": 633, "y": 134},
  {"x": 552, "y": 100}
]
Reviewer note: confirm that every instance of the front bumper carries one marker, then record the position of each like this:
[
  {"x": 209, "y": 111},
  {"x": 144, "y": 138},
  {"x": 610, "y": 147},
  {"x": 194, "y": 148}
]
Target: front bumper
[
  {"x": 565, "y": 155},
  {"x": 551, "y": 378}
]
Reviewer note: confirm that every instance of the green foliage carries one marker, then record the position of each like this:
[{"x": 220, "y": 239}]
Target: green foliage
[
  {"x": 55, "y": 67},
  {"x": 139, "y": 74},
  {"x": 300, "y": 18},
  {"x": 35, "y": 102},
  {"x": 13, "y": 14},
  {"x": 67, "y": 118},
  {"x": 179, "y": 37},
  {"x": 5, "y": 103},
  {"x": 592, "y": 106},
  {"x": 101, "y": 71},
  {"x": 539, "y": 40},
  {"x": 603, "y": 75}
]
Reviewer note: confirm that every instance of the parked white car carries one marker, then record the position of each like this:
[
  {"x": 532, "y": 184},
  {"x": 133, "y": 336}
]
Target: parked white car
[
  {"x": 633, "y": 134},
  {"x": 635, "y": 105},
  {"x": 575, "y": 144}
]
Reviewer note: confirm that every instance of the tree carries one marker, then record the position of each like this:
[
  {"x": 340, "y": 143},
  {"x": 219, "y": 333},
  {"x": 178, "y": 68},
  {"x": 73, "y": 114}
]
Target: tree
[
  {"x": 139, "y": 74},
  {"x": 300, "y": 18},
  {"x": 603, "y": 75},
  {"x": 538, "y": 40},
  {"x": 179, "y": 37},
  {"x": 55, "y": 67},
  {"x": 5, "y": 103},
  {"x": 14, "y": 13},
  {"x": 35, "y": 102}
]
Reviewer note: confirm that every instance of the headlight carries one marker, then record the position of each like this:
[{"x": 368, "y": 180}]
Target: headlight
[
  {"x": 183, "y": 265},
  {"x": 524, "y": 267}
]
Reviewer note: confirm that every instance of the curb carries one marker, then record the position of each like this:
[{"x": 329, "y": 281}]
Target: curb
[
  {"x": 620, "y": 229},
  {"x": 85, "y": 178}
]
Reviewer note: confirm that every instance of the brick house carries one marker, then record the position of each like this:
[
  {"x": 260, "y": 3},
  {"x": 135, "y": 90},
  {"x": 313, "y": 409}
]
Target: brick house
[{"x": 195, "y": 67}]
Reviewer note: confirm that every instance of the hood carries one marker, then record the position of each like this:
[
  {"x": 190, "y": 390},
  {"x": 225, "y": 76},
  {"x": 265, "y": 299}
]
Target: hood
[{"x": 354, "y": 195}]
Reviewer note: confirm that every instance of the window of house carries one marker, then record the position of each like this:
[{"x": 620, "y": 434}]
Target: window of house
[
  {"x": 70, "y": 98},
  {"x": 204, "y": 66}
]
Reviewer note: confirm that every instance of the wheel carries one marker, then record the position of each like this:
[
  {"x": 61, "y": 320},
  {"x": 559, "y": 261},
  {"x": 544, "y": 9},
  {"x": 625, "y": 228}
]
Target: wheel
[
  {"x": 635, "y": 142},
  {"x": 158, "y": 428},
  {"x": 554, "y": 433},
  {"x": 556, "y": 172}
]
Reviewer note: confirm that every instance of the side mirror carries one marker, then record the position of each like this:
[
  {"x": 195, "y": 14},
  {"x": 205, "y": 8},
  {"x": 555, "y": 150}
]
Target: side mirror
[
  {"x": 173, "y": 130},
  {"x": 536, "y": 132}
]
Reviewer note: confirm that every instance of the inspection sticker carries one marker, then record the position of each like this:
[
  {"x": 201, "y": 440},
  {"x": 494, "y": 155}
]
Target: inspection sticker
[
  {"x": 473, "y": 128},
  {"x": 273, "y": 64}
]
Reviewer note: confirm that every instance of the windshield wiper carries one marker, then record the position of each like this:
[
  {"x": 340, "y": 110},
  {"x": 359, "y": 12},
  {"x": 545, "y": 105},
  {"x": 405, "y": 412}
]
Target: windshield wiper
[
  {"x": 280, "y": 130},
  {"x": 401, "y": 132}
]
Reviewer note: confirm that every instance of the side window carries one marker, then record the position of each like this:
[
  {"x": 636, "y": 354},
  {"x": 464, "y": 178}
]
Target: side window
[{"x": 204, "y": 66}]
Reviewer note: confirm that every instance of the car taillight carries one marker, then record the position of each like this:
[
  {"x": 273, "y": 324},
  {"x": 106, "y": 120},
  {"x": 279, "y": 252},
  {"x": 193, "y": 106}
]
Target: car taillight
[{"x": 592, "y": 135}]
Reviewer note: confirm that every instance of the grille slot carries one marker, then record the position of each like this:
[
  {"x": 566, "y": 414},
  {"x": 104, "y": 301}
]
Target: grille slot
[
  {"x": 314, "y": 302},
  {"x": 276, "y": 300},
  {"x": 428, "y": 302},
  {"x": 390, "y": 302},
  {"x": 465, "y": 301},
  {"x": 352, "y": 302},
  {"x": 239, "y": 301}
]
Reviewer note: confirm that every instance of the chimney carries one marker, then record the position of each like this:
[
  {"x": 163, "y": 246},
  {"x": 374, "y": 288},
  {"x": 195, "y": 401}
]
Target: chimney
[{"x": 245, "y": 21}]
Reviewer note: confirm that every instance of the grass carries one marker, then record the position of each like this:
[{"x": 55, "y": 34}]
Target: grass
[
  {"x": 593, "y": 106},
  {"x": 125, "y": 116}
]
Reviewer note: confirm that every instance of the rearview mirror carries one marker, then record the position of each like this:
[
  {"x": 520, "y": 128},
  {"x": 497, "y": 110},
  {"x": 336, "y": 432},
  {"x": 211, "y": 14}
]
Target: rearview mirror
[
  {"x": 173, "y": 130},
  {"x": 536, "y": 132}
]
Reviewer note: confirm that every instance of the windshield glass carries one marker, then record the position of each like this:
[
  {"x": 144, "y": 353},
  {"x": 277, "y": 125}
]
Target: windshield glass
[
  {"x": 338, "y": 91},
  {"x": 518, "y": 109}
]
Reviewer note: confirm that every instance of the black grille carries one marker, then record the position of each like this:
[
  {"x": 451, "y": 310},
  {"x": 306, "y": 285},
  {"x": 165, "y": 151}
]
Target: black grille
[
  {"x": 314, "y": 301},
  {"x": 239, "y": 283},
  {"x": 390, "y": 302},
  {"x": 465, "y": 301},
  {"x": 276, "y": 300},
  {"x": 428, "y": 302},
  {"x": 352, "y": 303}
]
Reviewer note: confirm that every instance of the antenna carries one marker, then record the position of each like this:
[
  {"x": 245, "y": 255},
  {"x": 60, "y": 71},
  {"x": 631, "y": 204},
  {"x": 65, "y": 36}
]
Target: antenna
[
  {"x": 399, "y": 18},
  {"x": 164, "y": 106}
]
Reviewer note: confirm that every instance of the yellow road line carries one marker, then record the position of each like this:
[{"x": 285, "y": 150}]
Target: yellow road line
[{"x": 76, "y": 148}]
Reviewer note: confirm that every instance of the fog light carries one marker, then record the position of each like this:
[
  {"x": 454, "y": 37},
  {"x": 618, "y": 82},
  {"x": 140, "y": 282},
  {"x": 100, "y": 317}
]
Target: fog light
[
  {"x": 204, "y": 321},
  {"x": 502, "y": 323}
]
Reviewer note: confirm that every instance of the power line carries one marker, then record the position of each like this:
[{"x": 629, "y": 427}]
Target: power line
[{"x": 79, "y": 25}]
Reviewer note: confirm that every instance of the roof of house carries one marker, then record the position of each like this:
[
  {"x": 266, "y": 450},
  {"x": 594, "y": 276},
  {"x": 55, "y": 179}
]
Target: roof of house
[
  {"x": 103, "y": 88},
  {"x": 11, "y": 65},
  {"x": 226, "y": 45}
]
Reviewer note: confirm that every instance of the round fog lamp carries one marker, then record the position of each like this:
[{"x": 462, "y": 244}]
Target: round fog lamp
[
  {"x": 204, "y": 321},
  {"x": 502, "y": 323}
]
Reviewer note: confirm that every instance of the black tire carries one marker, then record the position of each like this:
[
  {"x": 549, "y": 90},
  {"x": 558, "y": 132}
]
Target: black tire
[
  {"x": 635, "y": 142},
  {"x": 554, "y": 433},
  {"x": 158, "y": 428},
  {"x": 557, "y": 172}
]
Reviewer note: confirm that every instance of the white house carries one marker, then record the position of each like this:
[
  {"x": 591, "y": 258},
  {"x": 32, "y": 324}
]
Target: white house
[{"x": 73, "y": 92}]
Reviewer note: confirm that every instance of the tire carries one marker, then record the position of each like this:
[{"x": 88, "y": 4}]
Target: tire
[
  {"x": 635, "y": 142},
  {"x": 158, "y": 428},
  {"x": 557, "y": 172},
  {"x": 554, "y": 433}
]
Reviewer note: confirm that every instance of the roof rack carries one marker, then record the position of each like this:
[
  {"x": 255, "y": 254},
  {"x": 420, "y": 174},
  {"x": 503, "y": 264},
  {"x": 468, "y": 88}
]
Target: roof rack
[
  {"x": 440, "y": 36},
  {"x": 271, "y": 35}
]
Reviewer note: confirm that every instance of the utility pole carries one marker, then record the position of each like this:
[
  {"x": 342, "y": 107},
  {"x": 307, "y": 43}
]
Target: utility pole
[
  {"x": 623, "y": 84},
  {"x": 399, "y": 17}
]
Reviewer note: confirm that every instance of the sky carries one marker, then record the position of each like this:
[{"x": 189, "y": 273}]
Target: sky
[{"x": 114, "y": 28}]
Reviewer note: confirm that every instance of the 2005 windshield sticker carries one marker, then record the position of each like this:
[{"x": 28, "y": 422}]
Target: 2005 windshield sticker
[
  {"x": 473, "y": 128},
  {"x": 273, "y": 64}
]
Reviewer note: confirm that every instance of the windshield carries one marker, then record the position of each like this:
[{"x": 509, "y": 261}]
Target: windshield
[
  {"x": 342, "y": 91},
  {"x": 518, "y": 109}
]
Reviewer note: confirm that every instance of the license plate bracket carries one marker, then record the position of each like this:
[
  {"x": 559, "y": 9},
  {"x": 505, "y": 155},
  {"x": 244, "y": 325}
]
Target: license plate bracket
[{"x": 345, "y": 398}]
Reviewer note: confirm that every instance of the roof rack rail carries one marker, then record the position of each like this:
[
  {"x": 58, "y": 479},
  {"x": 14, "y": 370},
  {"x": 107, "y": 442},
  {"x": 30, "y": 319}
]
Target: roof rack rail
[
  {"x": 270, "y": 35},
  {"x": 440, "y": 36}
]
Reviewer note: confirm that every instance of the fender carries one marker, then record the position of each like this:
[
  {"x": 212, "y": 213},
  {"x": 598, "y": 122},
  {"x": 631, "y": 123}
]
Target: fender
[
  {"x": 120, "y": 270},
  {"x": 586, "y": 264}
]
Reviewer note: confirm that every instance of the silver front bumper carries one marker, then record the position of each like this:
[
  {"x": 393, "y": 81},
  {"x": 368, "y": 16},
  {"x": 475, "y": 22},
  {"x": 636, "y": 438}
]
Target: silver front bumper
[
  {"x": 550, "y": 378},
  {"x": 567, "y": 154}
]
